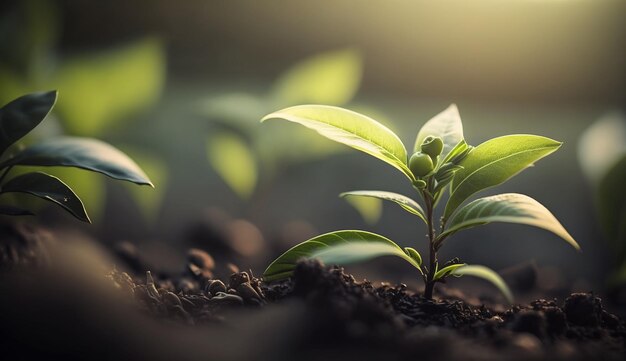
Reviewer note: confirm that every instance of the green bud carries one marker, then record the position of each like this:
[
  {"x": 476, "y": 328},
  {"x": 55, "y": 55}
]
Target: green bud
[
  {"x": 420, "y": 164},
  {"x": 432, "y": 146},
  {"x": 420, "y": 184}
]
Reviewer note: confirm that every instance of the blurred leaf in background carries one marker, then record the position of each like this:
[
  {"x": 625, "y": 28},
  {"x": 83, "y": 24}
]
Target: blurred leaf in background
[
  {"x": 602, "y": 155},
  {"x": 232, "y": 159},
  {"x": 333, "y": 77},
  {"x": 99, "y": 92}
]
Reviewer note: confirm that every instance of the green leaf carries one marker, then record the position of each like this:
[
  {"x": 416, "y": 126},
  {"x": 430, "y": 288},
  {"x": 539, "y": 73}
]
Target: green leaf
[
  {"x": 340, "y": 247},
  {"x": 22, "y": 115},
  {"x": 89, "y": 187},
  {"x": 49, "y": 188},
  {"x": 413, "y": 253},
  {"x": 85, "y": 153},
  {"x": 406, "y": 203},
  {"x": 234, "y": 162},
  {"x": 103, "y": 89},
  {"x": 352, "y": 129},
  {"x": 446, "y": 125},
  {"x": 369, "y": 208},
  {"x": 494, "y": 162},
  {"x": 444, "y": 272},
  {"x": 510, "y": 208},
  {"x": 330, "y": 78},
  {"x": 486, "y": 274}
]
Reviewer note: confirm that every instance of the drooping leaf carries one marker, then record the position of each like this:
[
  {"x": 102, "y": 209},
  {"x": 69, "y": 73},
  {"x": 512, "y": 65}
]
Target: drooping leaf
[
  {"x": 486, "y": 274},
  {"x": 447, "y": 270},
  {"x": 85, "y": 153},
  {"x": 10, "y": 210},
  {"x": 494, "y": 162},
  {"x": 103, "y": 89},
  {"x": 329, "y": 78},
  {"x": 369, "y": 208},
  {"x": 406, "y": 203},
  {"x": 510, "y": 208},
  {"x": 90, "y": 187},
  {"x": 22, "y": 115},
  {"x": 49, "y": 188},
  {"x": 413, "y": 253},
  {"x": 352, "y": 129},
  {"x": 446, "y": 125},
  {"x": 232, "y": 159},
  {"x": 340, "y": 246}
]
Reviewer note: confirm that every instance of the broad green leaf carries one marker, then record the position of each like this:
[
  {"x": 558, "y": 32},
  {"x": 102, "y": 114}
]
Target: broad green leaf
[
  {"x": 49, "y": 188},
  {"x": 611, "y": 202},
  {"x": 90, "y": 187},
  {"x": 369, "y": 208},
  {"x": 352, "y": 129},
  {"x": 510, "y": 208},
  {"x": 353, "y": 246},
  {"x": 85, "y": 153},
  {"x": 442, "y": 273},
  {"x": 233, "y": 160},
  {"x": 486, "y": 274},
  {"x": 494, "y": 162},
  {"x": 330, "y": 78},
  {"x": 149, "y": 200},
  {"x": 98, "y": 91},
  {"x": 22, "y": 115},
  {"x": 446, "y": 125},
  {"x": 406, "y": 203}
]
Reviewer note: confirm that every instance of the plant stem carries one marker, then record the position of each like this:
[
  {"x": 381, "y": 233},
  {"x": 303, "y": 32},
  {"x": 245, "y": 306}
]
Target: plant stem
[{"x": 430, "y": 282}]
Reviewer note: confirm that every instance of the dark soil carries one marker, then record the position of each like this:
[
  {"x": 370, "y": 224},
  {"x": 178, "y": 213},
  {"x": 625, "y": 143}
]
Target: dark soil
[{"x": 320, "y": 314}]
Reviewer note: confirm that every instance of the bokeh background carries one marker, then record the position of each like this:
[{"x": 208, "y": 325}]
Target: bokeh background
[{"x": 180, "y": 86}]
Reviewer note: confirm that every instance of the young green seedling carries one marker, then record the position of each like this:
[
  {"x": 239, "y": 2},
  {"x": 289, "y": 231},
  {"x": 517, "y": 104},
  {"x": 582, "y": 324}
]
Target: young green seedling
[
  {"x": 22, "y": 115},
  {"x": 441, "y": 161}
]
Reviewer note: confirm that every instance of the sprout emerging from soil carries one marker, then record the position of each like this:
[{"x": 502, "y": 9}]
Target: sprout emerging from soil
[{"x": 441, "y": 161}]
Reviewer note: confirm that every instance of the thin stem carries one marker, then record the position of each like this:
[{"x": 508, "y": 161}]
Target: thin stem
[{"x": 430, "y": 282}]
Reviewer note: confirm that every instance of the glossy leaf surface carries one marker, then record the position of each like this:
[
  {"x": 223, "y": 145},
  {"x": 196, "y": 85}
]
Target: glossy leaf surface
[
  {"x": 85, "y": 153},
  {"x": 494, "y": 162},
  {"x": 406, "y": 203},
  {"x": 510, "y": 208},
  {"x": 486, "y": 274},
  {"x": 352, "y": 129},
  {"x": 336, "y": 247},
  {"x": 49, "y": 188},
  {"x": 446, "y": 125},
  {"x": 22, "y": 115}
]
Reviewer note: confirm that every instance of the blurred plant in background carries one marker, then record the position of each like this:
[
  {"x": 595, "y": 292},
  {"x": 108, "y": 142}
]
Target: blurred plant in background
[
  {"x": 602, "y": 156},
  {"x": 236, "y": 148},
  {"x": 101, "y": 92}
]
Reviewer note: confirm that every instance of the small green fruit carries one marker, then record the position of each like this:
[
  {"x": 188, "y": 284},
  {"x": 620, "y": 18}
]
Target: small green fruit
[
  {"x": 432, "y": 146},
  {"x": 420, "y": 164}
]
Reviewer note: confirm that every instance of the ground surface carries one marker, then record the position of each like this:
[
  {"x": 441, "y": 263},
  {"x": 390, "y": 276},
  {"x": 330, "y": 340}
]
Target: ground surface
[{"x": 77, "y": 307}]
